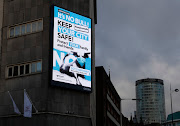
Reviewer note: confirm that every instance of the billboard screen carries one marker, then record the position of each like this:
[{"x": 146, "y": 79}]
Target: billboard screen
[{"x": 71, "y": 50}]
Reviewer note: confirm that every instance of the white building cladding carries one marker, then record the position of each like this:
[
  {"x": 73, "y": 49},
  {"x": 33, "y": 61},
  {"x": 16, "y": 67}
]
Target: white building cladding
[{"x": 152, "y": 106}]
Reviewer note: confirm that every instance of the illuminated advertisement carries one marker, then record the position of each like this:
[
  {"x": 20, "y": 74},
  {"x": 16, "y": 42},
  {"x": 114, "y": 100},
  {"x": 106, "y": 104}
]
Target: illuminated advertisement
[{"x": 71, "y": 50}]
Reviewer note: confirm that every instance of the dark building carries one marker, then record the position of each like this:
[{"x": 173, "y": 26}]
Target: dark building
[
  {"x": 135, "y": 117},
  {"x": 107, "y": 100},
  {"x": 25, "y": 64}
]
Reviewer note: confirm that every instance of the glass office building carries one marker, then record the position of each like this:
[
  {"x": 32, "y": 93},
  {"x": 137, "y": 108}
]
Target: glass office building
[{"x": 151, "y": 109}]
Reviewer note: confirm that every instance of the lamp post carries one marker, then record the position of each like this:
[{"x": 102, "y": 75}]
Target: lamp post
[
  {"x": 121, "y": 106},
  {"x": 171, "y": 91}
]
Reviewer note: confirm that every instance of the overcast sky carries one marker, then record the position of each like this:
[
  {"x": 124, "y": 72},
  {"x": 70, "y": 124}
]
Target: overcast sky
[{"x": 139, "y": 39}]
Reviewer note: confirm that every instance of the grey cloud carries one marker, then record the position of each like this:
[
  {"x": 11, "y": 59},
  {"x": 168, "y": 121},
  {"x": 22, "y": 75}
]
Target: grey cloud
[{"x": 139, "y": 39}]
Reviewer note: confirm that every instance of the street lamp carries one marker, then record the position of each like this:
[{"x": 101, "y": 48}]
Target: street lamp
[
  {"x": 121, "y": 106},
  {"x": 171, "y": 91}
]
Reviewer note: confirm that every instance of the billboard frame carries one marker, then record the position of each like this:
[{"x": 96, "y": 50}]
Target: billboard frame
[{"x": 63, "y": 84}]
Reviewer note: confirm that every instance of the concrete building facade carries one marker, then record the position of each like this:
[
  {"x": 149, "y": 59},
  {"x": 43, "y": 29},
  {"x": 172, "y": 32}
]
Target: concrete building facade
[
  {"x": 24, "y": 64},
  {"x": 152, "y": 106},
  {"x": 1, "y": 19}
]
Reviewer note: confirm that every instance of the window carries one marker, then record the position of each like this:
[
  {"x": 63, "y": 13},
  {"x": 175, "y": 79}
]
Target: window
[
  {"x": 10, "y": 71},
  {"x": 23, "y": 30},
  {"x": 26, "y": 28},
  {"x": 24, "y": 69},
  {"x": 39, "y": 67},
  {"x": 33, "y": 67},
  {"x": 11, "y": 32},
  {"x": 40, "y": 25},
  {"x": 27, "y": 69},
  {"x": 34, "y": 26},
  {"x": 17, "y": 30},
  {"x": 15, "y": 73}
]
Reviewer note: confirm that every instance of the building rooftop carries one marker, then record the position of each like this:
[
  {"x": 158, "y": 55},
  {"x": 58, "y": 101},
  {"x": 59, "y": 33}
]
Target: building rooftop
[
  {"x": 149, "y": 80},
  {"x": 176, "y": 116}
]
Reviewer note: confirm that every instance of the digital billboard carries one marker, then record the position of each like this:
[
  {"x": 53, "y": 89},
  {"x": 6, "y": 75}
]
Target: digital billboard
[{"x": 71, "y": 50}]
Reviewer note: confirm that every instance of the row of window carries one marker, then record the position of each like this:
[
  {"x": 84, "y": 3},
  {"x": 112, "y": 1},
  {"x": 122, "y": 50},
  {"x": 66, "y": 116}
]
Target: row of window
[
  {"x": 24, "y": 69},
  {"x": 155, "y": 120},
  {"x": 155, "y": 96},
  {"x": 151, "y": 103},
  {"x": 112, "y": 111},
  {"x": 149, "y": 86},
  {"x": 152, "y": 85},
  {"x": 149, "y": 109},
  {"x": 150, "y": 115},
  {"x": 110, "y": 122},
  {"x": 116, "y": 102},
  {"x": 26, "y": 28},
  {"x": 151, "y": 91}
]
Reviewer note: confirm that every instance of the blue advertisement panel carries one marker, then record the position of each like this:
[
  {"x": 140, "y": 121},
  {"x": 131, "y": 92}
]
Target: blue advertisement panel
[{"x": 71, "y": 49}]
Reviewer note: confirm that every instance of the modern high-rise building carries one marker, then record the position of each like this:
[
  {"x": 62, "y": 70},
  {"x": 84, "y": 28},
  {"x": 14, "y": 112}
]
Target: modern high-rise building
[
  {"x": 151, "y": 107},
  {"x": 48, "y": 48}
]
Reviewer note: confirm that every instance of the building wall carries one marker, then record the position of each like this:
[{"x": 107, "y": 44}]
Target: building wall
[
  {"x": 107, "y": 100},
  {"x": 152, "y": 106},
  {"x": 93, "y": 15},
  {"x": 34, "y": 47},
  {"x": 46, "y": 120},
  {"x": 1, "y": 15},
  {"x": 100, "y": 121}
]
